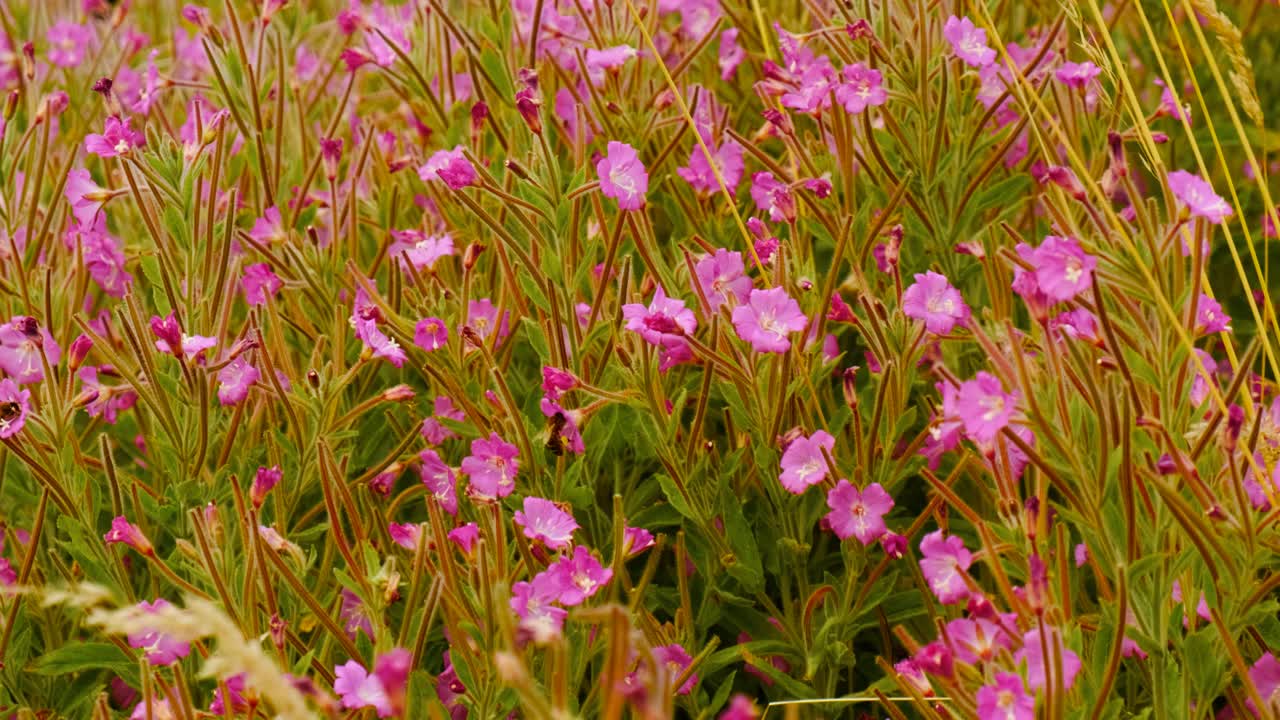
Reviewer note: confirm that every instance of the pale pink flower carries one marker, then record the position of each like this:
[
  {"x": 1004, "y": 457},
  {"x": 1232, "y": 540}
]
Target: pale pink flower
[
  {"x": 731, "y": 54},
  {"x": 1005, "y": 700},
  {"x": 1063, "y": 270},
  {"x": 491, "y": 467},
  {"x": 857, "y": 513},
  {"x": 439, "y": 479},
  {"x": 15, "y": 404},
  {"x": 610, "y": 58},
  {"x": 234, "y": 381},
  {"x": 623, "y": 176},
  {"x": 935, "y": 302},
  {"x": 25, "y": 345},
  {"x": 1198, "y": 196},
  {"x": 269, "y": 228},
  {"x": 861, "y": 88},
  {"x": 803, "y": 463},
  {"x": 969, "y": 43},
  {"x": 1039, "y": 645},
  {"x": 700, "y": 175},
  {"x": 581, "y": 576},
  {"x": 768, "y": 318},
  {"x": 544, "y": 521},
  {"x": 259, "y": 282},
  {"x": 1210, "y": 318},
  {"x": 1077, "y": 75},
  {"x": 85, "y": 196},
  {"x": 68, "y": 43},
  {"x": 358, "y": 688},
  {"x": 116, "y": 139},
  {"x": 160, "y": 649},
  {"x": 943, "y": 563},
  {"x": 984, "y": 407},
  {"x": 722, "y": 275},
  {"x": 773, "y": 196},
  {"x": 451, "y": 166}
]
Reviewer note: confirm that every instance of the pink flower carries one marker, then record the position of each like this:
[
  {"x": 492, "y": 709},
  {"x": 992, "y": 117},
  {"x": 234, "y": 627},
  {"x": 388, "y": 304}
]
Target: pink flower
[
  {"x": 378, "y": 343},
  {"x": 85, "y": 196},
  {"x": 969, "y": 43},
  {"x": 984, "y": 407},
  {"x": 116, "y": 139},
  {"x": 722, "y": 275},
  {"x": 610, "y": 58},
  {"x": 773, "y": 196},
  {"x": 170, "y": 338},
  {"x": 15, "y": 404},
  {"x": 1198, "y": 196},
  {"x": 731, "y": 54},
  {"x": 160, "y": 649},
  {"x": 464, "y": 536},
  {"x": 430, "y": 334},
  {"x": 699, "y": 174},
  {"x": 545, "y": 522},
  {"x": 439, "y": 479},
  {"x": 943, "y": 564},
  {"x": 357, "y": 688},
  {"x": 533, "y": 602},
  {"x": 422, "y": 250},
  {"x": 103, "y": 256},
  {"x": 1039, "y": 646},
  {"x": 235, "y": 696},
  {"x": 1265, "y": 675},
  {"x": 126, "y": 533},
  {"x": 674, "y": 660},
  {"x": 25, "y": 345},
  {"x": 433, "y": 430},
  {"x": 107, "y": 400},
  {"x": 813, "y": 92},
  {"x": 858, "y": 514},
  {"x": 1005, "y": 700},
  {"x": 1062, "y": 269},
  {"x": 355, "y": 615},
  {"x": 556, "y": 382},
  {"x": 861, "y": 89},
  {"x": 259, "y": 283},
  {"x": 269, "y": 228},
  {"x": 451, "y": 166},
  {"x": 622, "y": 176},
  {"x": 664, "y": 323},
  {"x": 636, "y": 540},
  {"x": 932, "y": 300},
  {"x": 482, "y": 316},
  {"x": 740, "y": 708},
  {"x": 492, "y": 467},
  {"x": 581, "y": 576},
  {"x": 768, "y": 318},
  {"x": 264, "y": 480},
  {"x": 234, "y": 381},
  {"x": 568, "y": 436},
  {"x": 1210, "y": 318},
  {"x": 1077, "y": 75},
  {"x": 977, "y": 641},
  {"x": 68, "y": 43},
  {"x": 803, "y": 463}
]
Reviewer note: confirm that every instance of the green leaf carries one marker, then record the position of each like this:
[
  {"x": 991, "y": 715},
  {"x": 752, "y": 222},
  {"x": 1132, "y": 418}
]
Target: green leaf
[
  {"x": 79, "y": 657},
  {"x": 675, "y": 497}
]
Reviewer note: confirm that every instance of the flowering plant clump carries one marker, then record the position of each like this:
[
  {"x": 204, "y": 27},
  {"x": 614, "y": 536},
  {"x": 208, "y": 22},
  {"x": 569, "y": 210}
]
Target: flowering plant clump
[{"x": 604, "y": 359}]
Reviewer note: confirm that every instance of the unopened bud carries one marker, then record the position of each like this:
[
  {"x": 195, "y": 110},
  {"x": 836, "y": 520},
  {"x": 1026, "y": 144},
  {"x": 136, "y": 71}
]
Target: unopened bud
[
  {"x": 399, "y": 393},
  {"x": 471, "y": 255}
]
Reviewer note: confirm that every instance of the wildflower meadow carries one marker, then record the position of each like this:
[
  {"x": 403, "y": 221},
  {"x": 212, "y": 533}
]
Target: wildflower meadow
[{"x": 700, "y": 359}]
